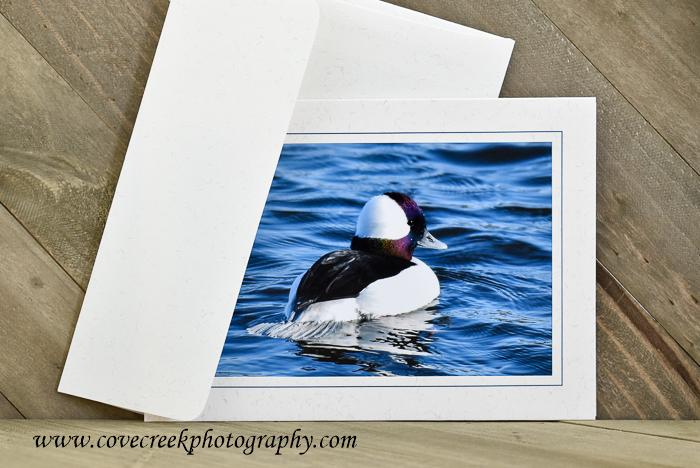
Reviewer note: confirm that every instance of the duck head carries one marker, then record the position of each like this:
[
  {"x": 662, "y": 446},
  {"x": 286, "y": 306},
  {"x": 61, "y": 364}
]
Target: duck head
[{"x": 393, "y": 224}]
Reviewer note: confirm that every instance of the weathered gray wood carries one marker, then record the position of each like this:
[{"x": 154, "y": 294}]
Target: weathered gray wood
[
  {"x": 38, "y": 310},
  {"x": 648, "y": 197},
  {"x": 7, "y": 410},
  {"x": 378, "y": 444},
  {"x": 642, "y": 372},
  {"x": 648, "y": 49},
  {"x": 58, "y": 162},
  {"x": 103, "y": 48}
]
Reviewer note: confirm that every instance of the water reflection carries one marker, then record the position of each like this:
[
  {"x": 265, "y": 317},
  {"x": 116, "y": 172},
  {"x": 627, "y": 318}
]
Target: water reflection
[{"x": 401, "y": 335}]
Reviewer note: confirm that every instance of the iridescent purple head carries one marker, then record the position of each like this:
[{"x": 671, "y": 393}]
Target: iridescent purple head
[{"x": 393, "y": 224}]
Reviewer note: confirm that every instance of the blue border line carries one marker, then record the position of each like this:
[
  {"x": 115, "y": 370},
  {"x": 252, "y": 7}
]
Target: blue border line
[
  {"x": 561, "y": 254},
  {"x": 561, "y": 258}
]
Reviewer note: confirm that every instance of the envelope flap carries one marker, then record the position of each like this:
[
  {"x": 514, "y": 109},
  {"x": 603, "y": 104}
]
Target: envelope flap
[{"x": 210, "y": 129}]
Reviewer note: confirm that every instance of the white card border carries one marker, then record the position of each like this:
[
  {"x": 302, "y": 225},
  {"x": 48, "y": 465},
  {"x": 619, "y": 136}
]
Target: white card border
[{"x": 575, "y": 398}]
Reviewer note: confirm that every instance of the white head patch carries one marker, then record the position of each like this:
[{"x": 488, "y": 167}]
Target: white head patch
[{"x": 382, "y": 218}]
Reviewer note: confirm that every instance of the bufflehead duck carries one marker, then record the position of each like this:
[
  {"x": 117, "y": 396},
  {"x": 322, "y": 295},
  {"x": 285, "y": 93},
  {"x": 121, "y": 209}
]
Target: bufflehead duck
[{"x": 378, "y": 276}]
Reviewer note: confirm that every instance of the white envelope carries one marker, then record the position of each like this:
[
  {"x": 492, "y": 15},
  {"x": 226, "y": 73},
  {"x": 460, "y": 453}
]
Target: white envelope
[{"x": 221, "y": 93}]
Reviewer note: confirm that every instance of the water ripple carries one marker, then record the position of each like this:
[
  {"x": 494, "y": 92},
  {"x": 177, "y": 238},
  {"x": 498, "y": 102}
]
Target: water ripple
[{"x": 491, "y": 203}]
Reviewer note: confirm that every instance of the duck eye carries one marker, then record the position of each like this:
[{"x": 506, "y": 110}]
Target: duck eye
[{"x": 410, "y": 222}]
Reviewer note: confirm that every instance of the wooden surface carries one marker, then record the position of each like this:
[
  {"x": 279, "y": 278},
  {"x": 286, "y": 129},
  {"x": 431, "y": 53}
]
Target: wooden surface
[
  {"x": 71, "y": 77},
  {"x": 649, "y": 52},
  {"x": 36, "y": 330},
  {"x": 640, "y": 443}
]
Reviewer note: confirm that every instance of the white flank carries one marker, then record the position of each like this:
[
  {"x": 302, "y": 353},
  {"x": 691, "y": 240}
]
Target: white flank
[
  {"x": 412, "y": 289},
  {"x": 339, "y": 310}
]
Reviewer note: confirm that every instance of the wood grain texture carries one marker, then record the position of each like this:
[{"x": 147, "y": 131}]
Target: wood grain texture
[
  {"x": 378, "y": 444},
  {"x": 648, "y": 198},
  {"x": 642, "y": 373},
  {"x": 38, "y": 311},
  {"x": 58, "y": 162},
  {"x": 102, "y": 48},
  {"x": 7, "y": 409},
  {"x": 649, "y": 50}
]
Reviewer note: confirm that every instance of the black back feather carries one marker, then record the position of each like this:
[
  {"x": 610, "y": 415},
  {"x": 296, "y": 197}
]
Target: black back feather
[{"x": 344, "y": 274}]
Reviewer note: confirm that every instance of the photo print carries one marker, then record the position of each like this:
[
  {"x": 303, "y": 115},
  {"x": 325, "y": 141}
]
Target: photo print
[{"x": 401, "y": 259}]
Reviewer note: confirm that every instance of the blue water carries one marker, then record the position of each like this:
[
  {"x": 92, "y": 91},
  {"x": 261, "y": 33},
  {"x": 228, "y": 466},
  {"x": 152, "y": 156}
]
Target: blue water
[{"x": 491, "y": 203}]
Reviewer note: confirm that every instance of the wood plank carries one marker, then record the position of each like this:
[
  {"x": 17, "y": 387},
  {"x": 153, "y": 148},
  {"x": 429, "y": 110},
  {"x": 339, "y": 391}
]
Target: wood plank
[
  {"x": 378, "y": 444},
  {"x": 102, "y": 48},
  {"x": 58, "y": 162},
  {"x": 642, "y": 372},
  {"x": 7, "y": 409},
  {"x": 648, "y": 49},
  {"x": 685, "y": 430},
  {"x": 647, "y": 196},
  {"x": 39, "y": 307}
]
